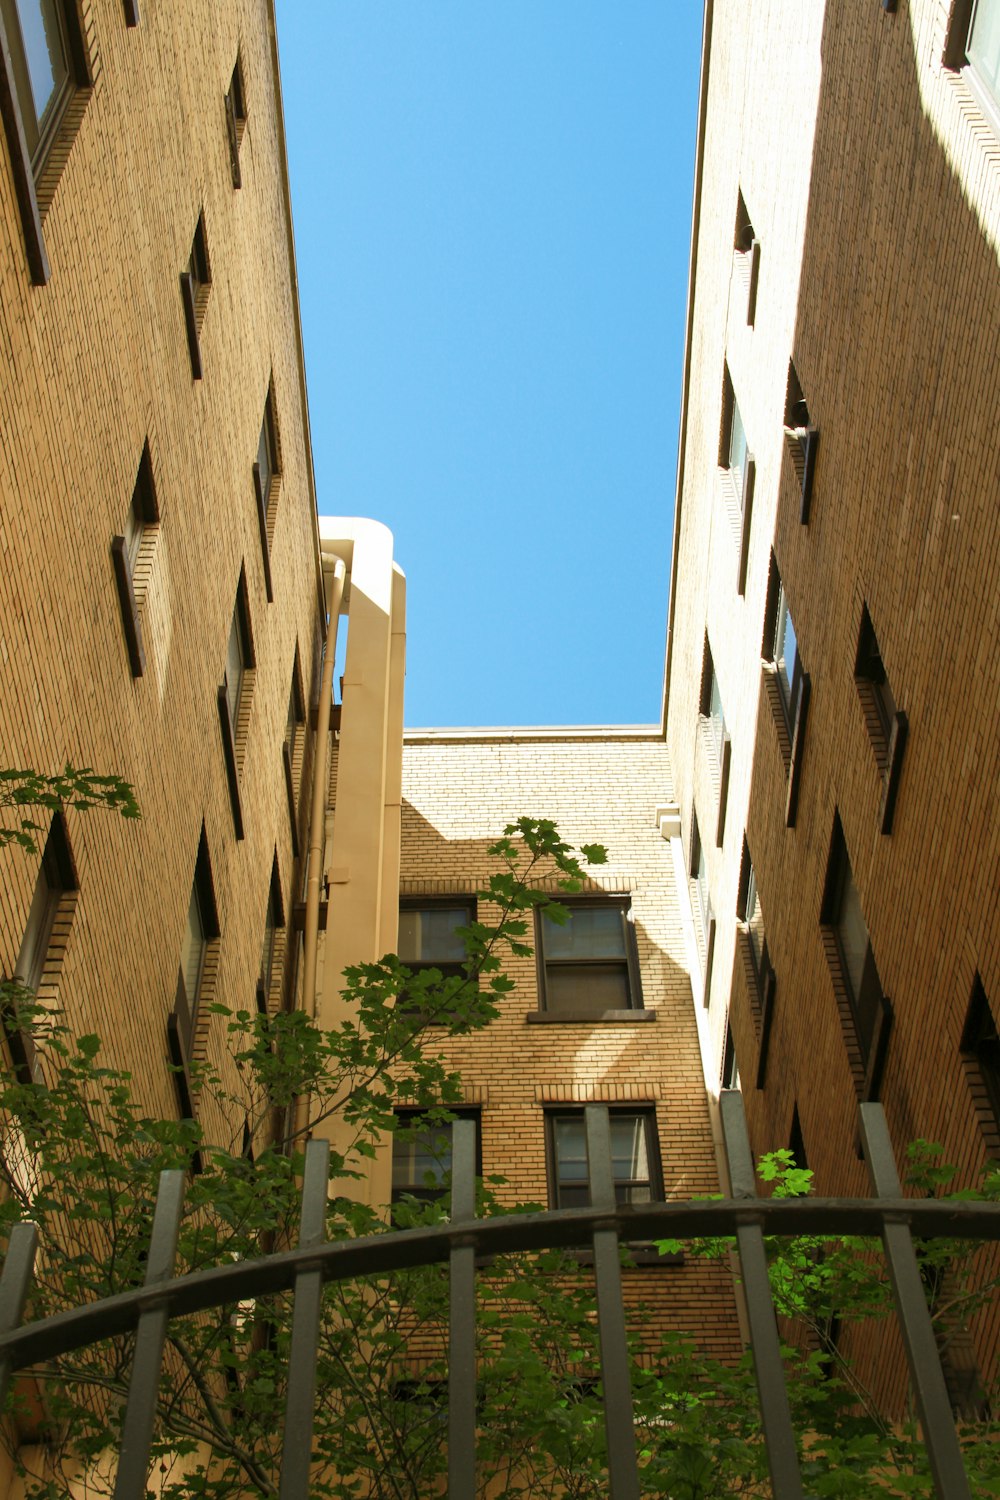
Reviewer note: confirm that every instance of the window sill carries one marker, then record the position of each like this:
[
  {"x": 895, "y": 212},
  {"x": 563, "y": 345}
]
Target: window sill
[{"x": 588, "y": 1018}]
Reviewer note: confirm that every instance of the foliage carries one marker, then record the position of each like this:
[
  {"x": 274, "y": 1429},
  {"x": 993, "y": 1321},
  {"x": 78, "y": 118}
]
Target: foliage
[
  {"x": 79, "y": 788},
  {"x": 81, "y": 1155}
]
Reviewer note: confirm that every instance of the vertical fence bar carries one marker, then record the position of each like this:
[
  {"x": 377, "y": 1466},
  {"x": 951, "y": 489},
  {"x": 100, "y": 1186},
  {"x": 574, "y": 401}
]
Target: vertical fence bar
[
  {"x": 462, "y": 1320},
  {"x": 940, "y": 1437},
  {"x": 775, "y": 1412},
  {"x": 296, "y": 1456},
  {"x": 150, "y": 1335},
  {"x": 14, "y": 1286},
  {"x": 623, "y": 1471}
]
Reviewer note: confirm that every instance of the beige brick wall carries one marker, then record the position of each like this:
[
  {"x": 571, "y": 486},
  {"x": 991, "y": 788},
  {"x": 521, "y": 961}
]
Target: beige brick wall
[
  {"x": 873, "y": 181},
  {"x": 95, "y": 364},
  {"x": 457, "y": 797}
]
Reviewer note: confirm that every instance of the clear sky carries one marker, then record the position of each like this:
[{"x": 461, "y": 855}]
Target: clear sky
[{"x": 492, "y": 205}]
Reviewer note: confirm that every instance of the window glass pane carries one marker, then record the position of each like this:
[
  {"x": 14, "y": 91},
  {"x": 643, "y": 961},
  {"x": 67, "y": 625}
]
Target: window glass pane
[
  {"x": 422, "y": 1160},
  {"x": 628, "y": 1147},
  {"x": 429, "y": 936},
  {"x": 193, "y": 950},
  {"x": 591, "y": 932},
  {"x": 589, "y": 988},
  {"x": 235, "y": 662},
  {"x": 737, "y": 443},
  {"x": 571, "y": 1150},
  {"x": 852, "y": 933},
  {"x": 44, "y": 52},
  {"x": 785, "y": 644},
  {"x": 754, "y": 917},
  {"x": 264, "y": 463},
  {"x": 38, "y": 930},
  {"x": 984, "y": 43}
]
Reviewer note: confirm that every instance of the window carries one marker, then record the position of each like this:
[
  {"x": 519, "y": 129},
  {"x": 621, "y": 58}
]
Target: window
[
  {"x": 730, "y": 1068},
  {"x": 699, "y": 871},
  {"x": 801, "y": 441},
  {"x": 587, "y": 966},
  {"x": 131, "y": 556},
  {"x": 266, "y": 475},
  {"x": 865, "y": 1012},
  {"x": 293, "y": 749},
  {"x": 758, "y": 970},
  {"x": 429, "y": 936},
  {"x": 735, "y": 459},
  {"x": 713, "y": 721},
  {"x": 235, "y": 696},
  {"x": 421, "y": 1154},
  {"x": 44, "y": 73},
  {"x": 974, "y": 45},
  {"x": 196, "y": 283},
  {"x": 747, "y": 248},
  {"x": 748, "y": 909},
  {"x": 56, "y": 879},
  {"x": 981, "y": 1052},
  {"x": 635, "y": 1163},
  {"x": 733, "y": 444},
  {"x": 272, "y": 944},
  {"x": 887, "y": 726},
  {"x": 236, "y": 119},
  {"x": 786, "y": 686}
]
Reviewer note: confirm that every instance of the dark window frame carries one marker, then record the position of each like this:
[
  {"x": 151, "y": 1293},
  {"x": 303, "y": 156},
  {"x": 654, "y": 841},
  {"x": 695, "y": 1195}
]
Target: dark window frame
[
  {"x": 629, "y": 963},
  {"x": 57, "y": 878},
  {"x": 865, "y": 1010},
  {"x": 145, "y": 509},
  {"x": 236, "y": 119},
  {"x": 265, "y": 485},
  {"x": 788, "y": 697},
  {"x": 643, "y": 1111},
  {"x": 420, "y": 1192},
  {"x": 746, "y": 244},
  {"x": 980, "y": 1051},
  {"x": 742, "y": 475},
  {"x": 196, "y": 284},
  {"x": 233, "y": 739},
  {"x": 887, "y": 726},
  {"x": 296, "y": 720},
  {"x": 801, "y": 441},
  {"x": 36, "y": 170}
]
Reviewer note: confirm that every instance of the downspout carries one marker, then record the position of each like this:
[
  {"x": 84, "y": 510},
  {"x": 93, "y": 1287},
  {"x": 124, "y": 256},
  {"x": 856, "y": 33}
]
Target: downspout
[{"x": 329, "y": 560}]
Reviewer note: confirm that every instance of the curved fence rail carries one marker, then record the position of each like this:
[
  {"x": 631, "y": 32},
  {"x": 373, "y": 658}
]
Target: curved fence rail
[{"x": 146, "y": 1310}]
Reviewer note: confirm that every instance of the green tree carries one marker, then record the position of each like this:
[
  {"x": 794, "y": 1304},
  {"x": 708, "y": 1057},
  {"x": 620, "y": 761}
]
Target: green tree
[{"x": 81, "y": 1156}]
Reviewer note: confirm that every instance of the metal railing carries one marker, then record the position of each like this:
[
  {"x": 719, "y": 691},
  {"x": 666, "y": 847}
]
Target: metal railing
[{"x": 146, "y": 1310}]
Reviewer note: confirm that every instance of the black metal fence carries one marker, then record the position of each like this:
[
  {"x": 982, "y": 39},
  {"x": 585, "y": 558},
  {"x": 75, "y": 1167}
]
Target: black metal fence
[{"x": 147, "y": 1310}]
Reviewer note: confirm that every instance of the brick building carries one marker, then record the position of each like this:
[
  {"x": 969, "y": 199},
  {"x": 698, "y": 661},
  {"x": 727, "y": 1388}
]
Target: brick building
[{"x": 832, "y": 684}]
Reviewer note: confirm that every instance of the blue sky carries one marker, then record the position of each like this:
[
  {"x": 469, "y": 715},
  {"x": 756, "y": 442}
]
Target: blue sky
[{"x": 492, "y": 208}]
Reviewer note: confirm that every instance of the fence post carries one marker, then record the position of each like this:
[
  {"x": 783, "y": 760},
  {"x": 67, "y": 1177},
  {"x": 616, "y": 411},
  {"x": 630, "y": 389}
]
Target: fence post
[
  {"x": 14, "y": 1286},
  {"x": 150, "y": 1335},
  {"x": 775, "y": 1412},
  {"x": 623, "y": 1472},
  {"x": 462, "y": 1320},
  {"x": 943, "y": 1450},
  {"x": 296, "y": 1455}
]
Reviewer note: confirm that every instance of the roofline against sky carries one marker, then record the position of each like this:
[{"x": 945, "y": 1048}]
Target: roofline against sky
[
  {"x": 699, "y": 163},
  {"x": 519, "y": 734}
]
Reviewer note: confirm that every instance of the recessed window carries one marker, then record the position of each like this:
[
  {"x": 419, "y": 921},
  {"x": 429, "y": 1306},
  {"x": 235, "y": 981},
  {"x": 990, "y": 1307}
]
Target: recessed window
[
  {"x": 635, "y": 1161},
  {"x": 422, "y": 1154},
  {"x": 131, "y": 555},
  {"x": 292, "y": 748},
  {"x": 864, "y": 1009},
  {"x": 973, "y": 45},
  {"x": 748, "y": 908},
  {"x": 266, "y": 477},
  {"x": 587, "y": 965},
  {"x": 43, "y": 72},
  {"x": 801, "y": 441},
  {"x": 747, "y": 248},
  {"x": 49, "y": 903},
  {"x": 235, "y": 698},
  {"x": 236, "y": 120},
  {"x": 196, "y": 283},
  {"x": 887, "y": 725},
  {"x": 272, "y": 944},
  {"x": 429, "y": 936},
  {"x": 758, "y": 970},
  {"x": 786, "y": 684},
  {"x": 730, "y": 1068},
  {"x": 713, "y": 725},
  {"x": 733, "y": 450},
  {"x": 196, "y": 977},
  {"x": 981, "y": 1051}
]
